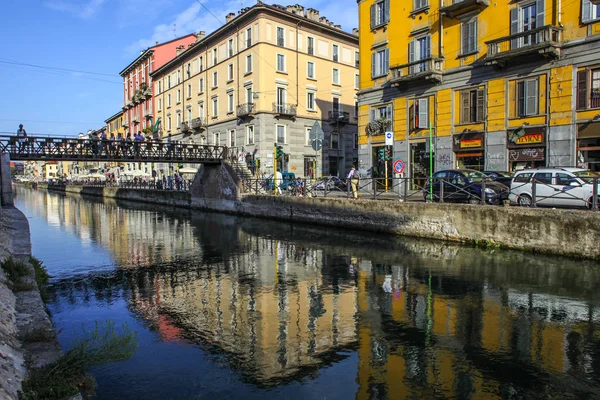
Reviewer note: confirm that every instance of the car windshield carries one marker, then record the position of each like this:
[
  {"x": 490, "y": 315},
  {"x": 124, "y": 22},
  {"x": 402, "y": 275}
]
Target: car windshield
[
  {"x": 586, "y": 176},
  {"x": 475, "y": 175}
]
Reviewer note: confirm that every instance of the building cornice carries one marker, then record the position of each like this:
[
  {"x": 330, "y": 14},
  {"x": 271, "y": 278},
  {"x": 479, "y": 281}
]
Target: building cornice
[{"x": 115, "y": 116}]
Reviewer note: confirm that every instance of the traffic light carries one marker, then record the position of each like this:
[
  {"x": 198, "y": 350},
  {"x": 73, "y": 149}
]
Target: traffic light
[
  {"x": 286, "y": 157},
  {"x": 388, "y": 154},
  {"x": 381, "y": 152},
  {"x": 279, "y": 152}
]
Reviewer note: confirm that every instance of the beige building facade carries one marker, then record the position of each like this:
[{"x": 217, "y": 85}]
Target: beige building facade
[{"x": 266, "y": 77}]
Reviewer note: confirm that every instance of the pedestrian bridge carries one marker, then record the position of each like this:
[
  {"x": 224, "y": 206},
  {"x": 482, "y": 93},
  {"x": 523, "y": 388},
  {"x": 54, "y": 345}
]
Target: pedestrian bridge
[{"x": 85, "y": 149}]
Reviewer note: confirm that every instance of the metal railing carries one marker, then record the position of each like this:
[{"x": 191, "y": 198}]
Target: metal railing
[
  {"x": 151, "y": 184},
  {"x": 197, "y": 123},
  {"x": 284, "y": 109},
  {"x": 245, "y": 109},
  {"x": 523, "y": 42},
  {"x": 339, "y": 116},
  {"x": 417, "y": 69}
]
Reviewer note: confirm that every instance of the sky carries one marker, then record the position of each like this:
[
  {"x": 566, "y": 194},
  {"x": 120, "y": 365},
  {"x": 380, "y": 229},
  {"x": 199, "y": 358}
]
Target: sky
[{"x": 60, "y": 59}]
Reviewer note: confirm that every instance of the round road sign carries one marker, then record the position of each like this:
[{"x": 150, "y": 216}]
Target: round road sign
[{"x": 399, "y": 166}]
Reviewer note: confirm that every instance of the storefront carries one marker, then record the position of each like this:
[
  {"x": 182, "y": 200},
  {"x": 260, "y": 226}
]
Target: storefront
[
  {"x": 526, "y": 148},
  {"x": 469, "y": 150},
  {"x": 588, "y": 146}
]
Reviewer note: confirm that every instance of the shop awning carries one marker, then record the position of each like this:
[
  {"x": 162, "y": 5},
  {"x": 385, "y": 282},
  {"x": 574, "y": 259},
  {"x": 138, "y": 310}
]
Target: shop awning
[{"x": 474, "y": 154}]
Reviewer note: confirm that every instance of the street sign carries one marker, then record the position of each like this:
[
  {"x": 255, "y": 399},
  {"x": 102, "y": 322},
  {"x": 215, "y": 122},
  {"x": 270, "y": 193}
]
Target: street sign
[
  {"x": 317, "y": 144},
  {"x": 398, "y": 166},
  {"x": 389, "y": 138},
  {"x": 316, "y": 132}
]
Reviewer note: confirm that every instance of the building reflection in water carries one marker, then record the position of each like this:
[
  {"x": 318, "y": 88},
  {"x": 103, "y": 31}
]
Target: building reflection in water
[{"x": 280, "y": 302}]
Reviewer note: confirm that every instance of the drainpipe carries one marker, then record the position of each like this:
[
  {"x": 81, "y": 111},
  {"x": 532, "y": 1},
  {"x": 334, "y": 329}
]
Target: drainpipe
[
  {"x": 441, "y": 49},
  {"x": 559, "y": 13},
  {"x": 297, "y": 80}
]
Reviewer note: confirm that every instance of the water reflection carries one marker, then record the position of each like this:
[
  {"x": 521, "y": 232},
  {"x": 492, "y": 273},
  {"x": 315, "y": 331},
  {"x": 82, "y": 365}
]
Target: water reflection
[{"x": 283, "y": 303}]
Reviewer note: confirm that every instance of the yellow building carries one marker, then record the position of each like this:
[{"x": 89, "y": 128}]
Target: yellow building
[
  {"x": 266, "y": 77},
  {"x": 506, "y": 85},
  {"x": 115, "y": 125},
  {"x": 50, "y": 170}
]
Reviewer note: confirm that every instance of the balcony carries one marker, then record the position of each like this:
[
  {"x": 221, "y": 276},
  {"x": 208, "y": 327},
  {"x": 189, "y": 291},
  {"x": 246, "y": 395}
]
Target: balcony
[
  {"x": 336, "y": 116},
  {"x": 245, "y": 110},
  {"x": 427, "y": 69},
  {"x": 148, "y": 114},
  {"x": 129, "y": 103},
  {"x": 198, "y": 123},
  {"x": 545, "y": 41},
  {"x": 284, "y": 110},
  {"x": 184, "y": 127},
  {"x": 135, "y": 119},
  {"x": 124, "y": 106},
  {"x": 125, "y": 122},
  {"x": 148, "y": 92},
  {"x": 455, "y": 8}
]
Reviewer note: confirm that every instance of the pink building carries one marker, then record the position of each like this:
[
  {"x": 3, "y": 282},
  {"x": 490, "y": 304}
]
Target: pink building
[{"x": 138, "y": 109}]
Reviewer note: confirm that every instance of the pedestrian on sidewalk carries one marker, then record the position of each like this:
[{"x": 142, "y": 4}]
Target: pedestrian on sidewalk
[{"x": 353, "y": 180}]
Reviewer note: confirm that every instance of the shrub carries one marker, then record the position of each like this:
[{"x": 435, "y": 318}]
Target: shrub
[{"x": 15, "y": 271}]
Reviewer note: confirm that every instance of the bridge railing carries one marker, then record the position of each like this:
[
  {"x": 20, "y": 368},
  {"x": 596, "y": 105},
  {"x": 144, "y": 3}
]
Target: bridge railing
[
  {"x": 171, "y": 185},
  {"x": 60, "y": 148}
]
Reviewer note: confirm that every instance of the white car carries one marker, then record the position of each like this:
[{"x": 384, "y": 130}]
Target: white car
[{"x": 554, "y": 187}]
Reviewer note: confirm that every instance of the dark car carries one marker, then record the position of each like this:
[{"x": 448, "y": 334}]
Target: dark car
[
  {"x": 503, "y": 177},
  {"x": 464, "y": 185}
]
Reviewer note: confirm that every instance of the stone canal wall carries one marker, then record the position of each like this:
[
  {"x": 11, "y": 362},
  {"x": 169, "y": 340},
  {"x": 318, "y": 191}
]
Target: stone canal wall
[{"x": 565, "y": 232}]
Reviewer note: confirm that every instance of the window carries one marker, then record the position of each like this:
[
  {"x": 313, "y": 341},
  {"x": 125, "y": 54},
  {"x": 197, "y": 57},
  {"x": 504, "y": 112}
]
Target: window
[
  {"x": 189, "y": 114},
  {"x": 419, "y": 114},
  {"x": 178, "y": 76},
  {"x": 588, "y": 89},
  {"x": 307, "y": 136},
  {"x": 335, "y": 140},
  {"x": 215, "y": 56},
  {"x": 524, "y": 19},
  {"x": 230, "y": 72},
  {"x": 380, "y": 63},
  {"x": 201, "y": 110},
  {"x": 523, "y": 178},
  {"x": 280, "y": 96},
  {"x": 335, "y": 76},
  {"x": 589, "y": 11},
  {"x": 280, "y": 37},
  {"x": 200, "y": 85},
  {"x": 230, "y": 102},
  {"x": 169, "y": 100},
  {"x": 419, "y": 49},
  {"x": 232, "y": 138},
  {"x": 188, "y": 70},
  {"x": 201, "y": 63},
  {"x": 215, "y": 79},
  {"x": 310, "y": 43},
  {"x": 355, "y": 108},
  {"x": 469, "y": 36},
  {"x": 215, "y": 109},
  {"x": 335, "y": 52},
  {"x": 356, "y": 81},
  {"x": 527, "y": 97},
  {"x": 380, "y": 13},
  {"x": 169, "y": 123},
  {"x": 356, "y": 59},
  {"x": 418, "y": 4},
  {"x": 230, "y": 47},
  {"x": 310, "y": 101},
  {"x": 249, "y": 63},
  {"x": 310, "y": 70},
  {"x": 280, "y": 63},
  {"x": 250, "y": 134},
  {"x": 178, "y": 120},
  {"x": 280, "y": 134},
  {"x": 248, "y": 37},
  {"x": 159, "y": 104},
  {"x": 249, "y": 96},
  {"x": 472, "y": 106},
  {"x": 544, "y": 178},
  {"x": 355, "y": 144},
  {"x": 189, "y": 91},
  {"x": 159, "y": 87},
  {"x": 216, "y": 138},
  {"x": 169, "y": 82},
  {"x": 178, "y": 96},
  {"x": 336, "y": 105}
]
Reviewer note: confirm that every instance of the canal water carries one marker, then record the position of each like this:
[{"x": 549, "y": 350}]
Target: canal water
[{"x": 238, "y": 308}]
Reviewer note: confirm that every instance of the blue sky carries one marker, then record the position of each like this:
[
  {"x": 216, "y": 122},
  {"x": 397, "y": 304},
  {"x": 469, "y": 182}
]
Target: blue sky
[{"x": 100, "y": 36}]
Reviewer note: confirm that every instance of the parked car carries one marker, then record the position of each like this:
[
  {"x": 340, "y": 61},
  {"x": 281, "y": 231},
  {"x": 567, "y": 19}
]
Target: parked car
[
  {"x": 503, "y": 177},
  {"x": 464, "y": 185},
  {"x": 331, "y": 182},
  {"x": 554, "y": 187}
]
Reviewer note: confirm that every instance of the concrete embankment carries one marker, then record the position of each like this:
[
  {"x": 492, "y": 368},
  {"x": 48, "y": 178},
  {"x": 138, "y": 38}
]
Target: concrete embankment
[
  {"x": 27, "y": 337},
  {"x": 565, "y": 232}
]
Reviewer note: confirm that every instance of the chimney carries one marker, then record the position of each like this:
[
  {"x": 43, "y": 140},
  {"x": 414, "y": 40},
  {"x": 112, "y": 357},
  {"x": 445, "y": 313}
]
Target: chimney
[
  {"x": 179, "y": 50},
  {"x": 313, "y": 14},
  {"x": 323, "y": 20},
  {"x": 156, "y": 43},
  {"x": 354, "y": 31},
  {"x": 200, "y": 36},
  {"x": 337, "y": 27},
  {"x": 229, "y": 17}
]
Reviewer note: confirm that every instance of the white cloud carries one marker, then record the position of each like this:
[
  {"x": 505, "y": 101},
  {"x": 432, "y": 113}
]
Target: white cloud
[
  {"x": 196, "y": 18},
  {"x": 84, "y": 12}
]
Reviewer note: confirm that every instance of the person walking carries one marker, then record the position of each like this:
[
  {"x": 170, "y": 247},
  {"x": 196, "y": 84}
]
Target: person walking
[
  {"x": 22, "y": 137},
  {"x": 353, "y": 180}
]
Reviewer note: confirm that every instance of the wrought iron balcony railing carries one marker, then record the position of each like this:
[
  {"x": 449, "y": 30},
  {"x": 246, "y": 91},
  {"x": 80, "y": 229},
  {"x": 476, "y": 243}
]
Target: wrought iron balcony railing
[
  {"x": 429, "y": 69},
  {"x": 198, "y": 123},
  {"x": 135, "y": 119},
  {"x": 244, "y": 110},
  {"x": 148, "y": 113},
  {"x": 148, "y": 92},
  {"x": 453, "y": 8},
  {"x": 545, "y": 40},
  {"x": 284, "y": 109},
  {"x": 336, "y": 116}
]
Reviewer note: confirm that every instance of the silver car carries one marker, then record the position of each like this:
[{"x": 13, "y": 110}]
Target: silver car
[{"x": 554, "y": 187}]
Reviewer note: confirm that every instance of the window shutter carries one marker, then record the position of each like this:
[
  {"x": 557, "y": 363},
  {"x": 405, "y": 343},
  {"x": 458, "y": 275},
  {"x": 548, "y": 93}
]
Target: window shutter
[
  {"x": 480, "y": 105},
  {"x": 373, "y": 65},
  {"x": 411, "y": 117},
  {"x": 428, "y": 46},
  {"x": 386, "y": 5},
  {"x": 514, "y": 27},
  {"x": 373, "y": 22},
  {"x": 386, "y": 66},
  {"x": 411, "y": 55},
  {"x": 586, "y": 11},
  {"x": 423, "y": 113},
  {"x": 373, "y": 115},
  {"x": 464, "y": 101},
  {"x": 390, "y": 117},
  {"x": 540, "y": 19},
  {"x": 532, "y": 97},
  {"x": 582, "y": 85},
  {"x": 521, "y": 99},
  {"x": 465, "y": 38}
]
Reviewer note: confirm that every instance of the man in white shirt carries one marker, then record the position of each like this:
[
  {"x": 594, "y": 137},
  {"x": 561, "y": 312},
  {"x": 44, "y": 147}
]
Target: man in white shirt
[
  {"x": 353, "y": 179},
  {"x": 22, "y": 137}
]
